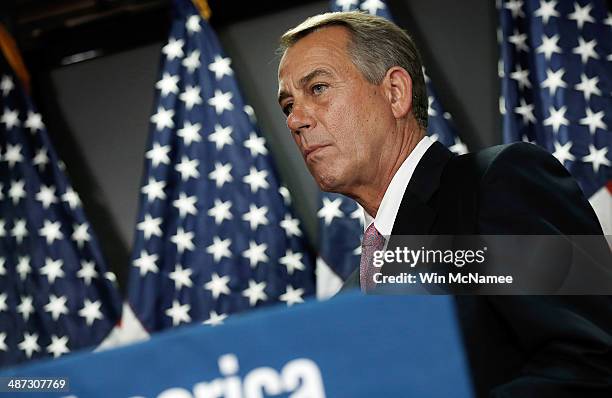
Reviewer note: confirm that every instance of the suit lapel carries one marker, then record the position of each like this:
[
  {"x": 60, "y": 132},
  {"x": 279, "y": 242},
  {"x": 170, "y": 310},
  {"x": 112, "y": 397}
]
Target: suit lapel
[{"x": 417, "y": 212}]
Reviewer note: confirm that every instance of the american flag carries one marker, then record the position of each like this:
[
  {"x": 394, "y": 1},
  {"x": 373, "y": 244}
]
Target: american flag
[
  {"x": 556, "y": 71},
  {"x": 341, "y": 218},
  {"x": 215, "y": 232},
  {"x": 56, "y": 295}
]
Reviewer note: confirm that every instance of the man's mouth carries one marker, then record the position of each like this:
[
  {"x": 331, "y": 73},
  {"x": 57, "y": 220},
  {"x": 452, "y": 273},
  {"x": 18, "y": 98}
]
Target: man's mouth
[{"x": 313, "y": 149}]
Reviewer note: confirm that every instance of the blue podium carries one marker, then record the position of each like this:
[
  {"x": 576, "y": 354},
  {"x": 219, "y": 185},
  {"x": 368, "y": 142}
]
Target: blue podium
[{"x": 350, "y": 346}]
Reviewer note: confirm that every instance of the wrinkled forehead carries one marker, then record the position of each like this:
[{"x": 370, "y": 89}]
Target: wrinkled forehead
[{"x": 327, "y": 45}]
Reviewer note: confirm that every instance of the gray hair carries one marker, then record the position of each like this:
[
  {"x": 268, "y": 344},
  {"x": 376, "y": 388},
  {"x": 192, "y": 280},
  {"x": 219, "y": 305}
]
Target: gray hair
[{"x": 376, "y": 45}]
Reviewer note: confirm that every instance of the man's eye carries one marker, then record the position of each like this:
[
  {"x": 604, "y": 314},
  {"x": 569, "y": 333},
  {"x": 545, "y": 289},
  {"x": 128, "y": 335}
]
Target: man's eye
[
  {"x": 318, "y": 88},
  {"x": 287, "y": 109}
]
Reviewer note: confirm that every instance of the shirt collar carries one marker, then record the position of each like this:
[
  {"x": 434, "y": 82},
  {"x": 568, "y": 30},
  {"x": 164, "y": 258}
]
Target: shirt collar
[{"x": 391, "y": 201}]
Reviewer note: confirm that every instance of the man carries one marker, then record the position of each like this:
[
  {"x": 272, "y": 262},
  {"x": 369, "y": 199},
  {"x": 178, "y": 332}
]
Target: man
[{"x": 353, "y": 92}]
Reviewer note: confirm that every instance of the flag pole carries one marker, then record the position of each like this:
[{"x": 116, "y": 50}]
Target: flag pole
[
  {"x": 203, "y": 8},
  {"x": 12, "y": 55}
]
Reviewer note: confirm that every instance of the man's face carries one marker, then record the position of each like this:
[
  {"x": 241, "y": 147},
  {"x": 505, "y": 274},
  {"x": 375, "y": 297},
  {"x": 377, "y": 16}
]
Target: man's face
[{"x": 337, "y": 118}]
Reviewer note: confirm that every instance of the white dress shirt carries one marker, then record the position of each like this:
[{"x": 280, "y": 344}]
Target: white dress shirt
[{"x": 391, "y": 201}]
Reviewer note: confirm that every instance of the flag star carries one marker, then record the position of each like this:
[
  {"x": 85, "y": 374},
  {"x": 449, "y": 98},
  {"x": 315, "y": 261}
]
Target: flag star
[
  {"x": 581, "y": 14},
  {"x": 46, "y": 196},
  {"x": 2, "y": 267},
  {"x": 554, "y": 80},
  {"x": 191, "y": 96},
  {"x": 146, "y": 263},
  {"x": 357, "y": 214},
  {"x": 29, "y": 344},
  {"x": 291, "y": 226},
  {"x": 193, "y": 24},
  {"x": 458, "y": 147},
  {"x": 158, "y": 154},
  {"x": 292, "y": 296},
  {"x": 549, "y": 46},
  {"x": 72, "y": 198},
  {"x": 515, "y": 7},
  {"x": 56, "y": 306},
  {"x": 593, "y": 120},
  {"x": 248, "y": 109},
  {"x": 256, "y": 216},
  {"x": 521, "y": 76},
  {"x": 526, "y": 111},
  {"x": 256, "y": 253},
  {"x": 256, "y": 144},
  {"x": 87, "y": 272},
  {"x": 25, "y": 307},
  {"x": 547, "y": 10},
  {"x": 13, "y": 154},
  {"x": 586, "y": 50},
  {"x": 218, "y": 285},
  {"x": 41, "y": 159},
  {"x": 192, "y": 62},
  {"x": 168, "y": 84},
  {"x": 111, "y": 277},
  {"x": 562, "y": 152},
  {"x": 221, "y": 101},
  {"x": 52, "y": 269},
  {"x": 183, "y": 240},
  {"x": 91, "y": 311},
  {"x": 519, "y": 40},
  {"x": 221, "y": 211},
  {"x": 19, "y": 230},
  {"x": 221, "y": 67},
  {"x": 330, "y": 210},
  {"x": 284, "y": 192},
  {"x": 58, "y": 346},
  {"x": 256, "y": 179},
  {"x": 51, "y": 231},
  {"x": 1, "y": 193},
  {"x": 222, "y": 136},
  {"x": 179, "y": 313},
  {"x": 597, "y": 157},
  {"x": 372, "y": 6},
  {"x": 255, "y": 292},
  {"x": 34, "y": 122},
  {"x": 219, "y": 248},
  {"x": 163, "y": 118},
  {"x": 154, "y": 190},
  {"x": 190, "y": 133},
  {"x": 6, "y": 85},
  {"x": 17, "y": 191},
  {"x": 23, "y": 267},
  {"x": 3, "y": 305},
  {"x": 557, "y": 118},
  {"x": 150, "y": 226},
  {"x": 430, "y": 109},
  {"x": 588, "y": 86},
  {"x": 174, "y": 49},
  {"x": 10, "y": 118},
  {"x": 221, "y": 174},
  {"x": 3, "y": 346},
  {"x": 346, "y": 5},
  {"x": 181, "y": 277},
  {"x": 292, "y": 261},
  {"x": 186, "y": 205},
  {"x": 80, "y": 234},
  {"x": 188, "y": 168},
  {"x": 608, "y": 20},
  {"x": 215, "y": 319}
]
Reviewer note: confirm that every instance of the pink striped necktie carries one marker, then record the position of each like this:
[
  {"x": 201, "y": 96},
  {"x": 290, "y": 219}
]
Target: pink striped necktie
[{"x": 372, "y": 241}]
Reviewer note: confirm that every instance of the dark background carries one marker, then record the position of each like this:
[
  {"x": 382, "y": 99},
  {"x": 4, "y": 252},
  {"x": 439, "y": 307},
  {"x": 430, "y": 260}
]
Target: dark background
[{"x": 94, "y": 65}]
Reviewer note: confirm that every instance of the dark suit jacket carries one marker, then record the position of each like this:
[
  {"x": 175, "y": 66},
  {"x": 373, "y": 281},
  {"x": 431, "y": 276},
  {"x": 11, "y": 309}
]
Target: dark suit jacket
[{"x": 517, "y": 346}]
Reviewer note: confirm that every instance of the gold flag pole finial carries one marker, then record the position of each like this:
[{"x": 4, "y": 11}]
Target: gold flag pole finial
[
  {"x": 202, "y": 6},
  {"x": 12, "y": 55}
]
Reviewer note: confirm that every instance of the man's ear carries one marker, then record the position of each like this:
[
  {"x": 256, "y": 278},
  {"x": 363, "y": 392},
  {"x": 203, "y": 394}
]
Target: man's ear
[{"x": 398, "y": 87}]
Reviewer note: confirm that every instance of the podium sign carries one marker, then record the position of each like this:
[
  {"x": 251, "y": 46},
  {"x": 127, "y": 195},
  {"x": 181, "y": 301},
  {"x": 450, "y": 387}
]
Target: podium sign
[{"x": 350, "y": 346}]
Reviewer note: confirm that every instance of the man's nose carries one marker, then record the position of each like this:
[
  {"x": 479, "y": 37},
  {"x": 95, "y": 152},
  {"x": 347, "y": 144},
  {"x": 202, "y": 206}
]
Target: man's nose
[{"x": 300, "y": 119}]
